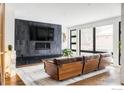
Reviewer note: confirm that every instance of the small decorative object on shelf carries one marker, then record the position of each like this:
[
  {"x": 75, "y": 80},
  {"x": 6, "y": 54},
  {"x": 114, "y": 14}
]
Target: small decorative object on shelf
[
  {"x": 67, "y": 52},
  {"x": 10, "y": 47},
  {"x": 64, "y": 37}
]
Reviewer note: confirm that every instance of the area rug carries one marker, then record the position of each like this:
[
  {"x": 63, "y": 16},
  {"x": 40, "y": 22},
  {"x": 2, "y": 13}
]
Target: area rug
[{"x": 35, "y": 75}]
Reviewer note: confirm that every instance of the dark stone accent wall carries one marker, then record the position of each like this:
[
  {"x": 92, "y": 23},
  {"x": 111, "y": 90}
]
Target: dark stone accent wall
[{"x": 26, "y": 48}]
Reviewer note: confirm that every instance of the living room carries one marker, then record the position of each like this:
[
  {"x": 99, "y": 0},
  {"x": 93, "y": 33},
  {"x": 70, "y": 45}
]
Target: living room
[{"x": 79, "y": 28}]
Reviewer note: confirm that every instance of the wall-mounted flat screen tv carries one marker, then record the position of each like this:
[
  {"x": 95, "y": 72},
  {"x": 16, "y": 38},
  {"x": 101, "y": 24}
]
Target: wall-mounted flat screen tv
[{"x": 38, "y": 33}]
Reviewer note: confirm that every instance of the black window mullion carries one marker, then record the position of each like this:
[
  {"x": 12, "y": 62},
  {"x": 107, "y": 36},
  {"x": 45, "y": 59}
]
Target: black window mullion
[
  {"x": 72, "y": 36},
  {"x": 73, "y": 43},
  {"x": 70, "y": 40},
  {"x": 94, "y": 39},
  {"x": 119, "y": 43},
  {"x": 79, "y": 42},
  {"x": 73, "y": 50}
]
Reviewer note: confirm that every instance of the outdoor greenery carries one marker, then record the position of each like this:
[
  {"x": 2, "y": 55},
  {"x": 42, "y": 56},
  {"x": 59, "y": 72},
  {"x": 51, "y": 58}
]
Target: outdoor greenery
[{"x": 67, "y": 52}]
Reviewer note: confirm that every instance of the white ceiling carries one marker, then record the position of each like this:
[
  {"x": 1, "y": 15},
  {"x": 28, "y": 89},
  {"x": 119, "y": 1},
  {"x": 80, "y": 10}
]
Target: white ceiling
[{"x": 67, "y": 14}]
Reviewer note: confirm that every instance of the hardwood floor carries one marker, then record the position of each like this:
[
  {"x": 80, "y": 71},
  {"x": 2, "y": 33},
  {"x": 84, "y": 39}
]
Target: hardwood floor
[
  {"x": 107, "y": 78},
  {"x": 14, "y": 81}
]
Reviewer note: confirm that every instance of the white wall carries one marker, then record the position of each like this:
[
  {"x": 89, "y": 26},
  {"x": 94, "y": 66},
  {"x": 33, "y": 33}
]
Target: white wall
[
  {"x": 122, "y": 45},
  {"x": 65, "y": 43},
  {"x": 115, "y": 22}
]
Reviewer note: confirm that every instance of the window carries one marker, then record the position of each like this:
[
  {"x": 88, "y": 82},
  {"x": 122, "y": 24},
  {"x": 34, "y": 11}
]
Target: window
[
  {"x": 73, "y": 40},
  {"x": 104, "y": 38},
  {"x": 93, "y": 39},
  {"x": 87, "y": 39}
]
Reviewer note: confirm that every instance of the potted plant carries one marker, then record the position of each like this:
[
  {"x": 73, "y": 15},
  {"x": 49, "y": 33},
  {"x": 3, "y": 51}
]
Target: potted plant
[{"x": 67, "y": 52}]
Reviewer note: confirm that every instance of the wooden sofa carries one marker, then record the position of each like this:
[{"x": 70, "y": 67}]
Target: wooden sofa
[
  {"x": 67, "y": 67},
  {"x": 63, "y": 68}
]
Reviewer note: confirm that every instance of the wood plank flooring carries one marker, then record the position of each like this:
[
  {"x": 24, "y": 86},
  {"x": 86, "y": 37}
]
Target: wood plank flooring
[
  {"x": 15, "y": 80},
  {"x": 107, "y": 78}
]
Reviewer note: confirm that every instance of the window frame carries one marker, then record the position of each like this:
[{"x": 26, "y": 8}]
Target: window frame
[
  {"x": 83, "y": 50},
  {"x": 94, "y": 43},
  {"x": 72, "y": 43}
]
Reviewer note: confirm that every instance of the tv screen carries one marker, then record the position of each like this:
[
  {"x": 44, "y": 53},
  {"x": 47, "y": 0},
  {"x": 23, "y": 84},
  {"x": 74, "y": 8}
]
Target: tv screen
[{"x": 41, "y": 33}]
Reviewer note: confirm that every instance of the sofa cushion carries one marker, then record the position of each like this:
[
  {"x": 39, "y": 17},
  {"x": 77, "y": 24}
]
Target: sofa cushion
[
  {"x": 105, "y": 60},
  {"x": 90, "y": 57},
  {"x": 105, "y": 55},
  {"x": 60, "y": 61}
]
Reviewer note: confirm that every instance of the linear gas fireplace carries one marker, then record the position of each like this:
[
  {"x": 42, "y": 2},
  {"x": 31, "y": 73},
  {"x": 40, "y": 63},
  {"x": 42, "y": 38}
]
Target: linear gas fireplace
[
  {"x": 36, "y": 40},
  {"x": 42, "y": 46}
]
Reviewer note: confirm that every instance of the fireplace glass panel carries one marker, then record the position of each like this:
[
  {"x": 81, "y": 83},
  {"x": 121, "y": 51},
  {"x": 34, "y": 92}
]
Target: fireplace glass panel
[{"x": 42, "y": 46}]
